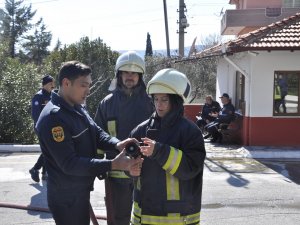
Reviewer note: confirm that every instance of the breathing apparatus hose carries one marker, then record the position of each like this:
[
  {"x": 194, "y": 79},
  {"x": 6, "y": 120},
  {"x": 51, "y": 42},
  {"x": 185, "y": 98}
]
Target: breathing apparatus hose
[{"x": 41, "y": 209}]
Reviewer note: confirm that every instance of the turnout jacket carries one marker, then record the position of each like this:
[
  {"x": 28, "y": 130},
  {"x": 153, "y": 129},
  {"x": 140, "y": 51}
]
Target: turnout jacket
[
  {"x": 119, "y": 113},
  {"x": 169, "y": 188},
  {"x": 69, "y": 138}
]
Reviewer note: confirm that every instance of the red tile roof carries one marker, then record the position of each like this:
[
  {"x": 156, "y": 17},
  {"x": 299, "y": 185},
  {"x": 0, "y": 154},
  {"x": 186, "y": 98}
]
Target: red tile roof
[{"x": 282, "y": 35}]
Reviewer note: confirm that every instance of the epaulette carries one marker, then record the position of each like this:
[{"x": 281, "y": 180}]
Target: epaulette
[{"x": 55, "y": 109}]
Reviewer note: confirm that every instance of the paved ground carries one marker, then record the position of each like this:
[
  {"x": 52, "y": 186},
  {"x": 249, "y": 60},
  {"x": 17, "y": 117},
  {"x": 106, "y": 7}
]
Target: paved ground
[{"x": 237, "y": 188}]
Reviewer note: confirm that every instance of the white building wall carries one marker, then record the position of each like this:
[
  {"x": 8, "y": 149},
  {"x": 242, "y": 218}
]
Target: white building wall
[
  {"x": 259, "y": 68},
  {"x": 226, "y": 74},
  {"x": 262, "y": 78}
]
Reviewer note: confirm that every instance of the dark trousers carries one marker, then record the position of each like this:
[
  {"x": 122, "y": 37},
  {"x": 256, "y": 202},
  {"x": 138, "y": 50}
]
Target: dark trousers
[
  {"x": 201, "y": 123},
  {"x": 40, "y": 164},
  {"x": 213, "y": 129},
  {"x": 118, "y": 200},
  {"x": 70, "y": 207}
]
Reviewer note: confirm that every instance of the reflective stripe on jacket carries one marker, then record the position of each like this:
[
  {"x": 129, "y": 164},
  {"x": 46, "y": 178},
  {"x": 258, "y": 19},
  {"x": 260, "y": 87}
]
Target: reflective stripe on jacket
[{"x": 171, "y": 219}]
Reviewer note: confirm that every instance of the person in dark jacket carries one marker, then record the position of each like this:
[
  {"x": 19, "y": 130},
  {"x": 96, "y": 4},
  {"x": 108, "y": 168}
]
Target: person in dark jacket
[
  {"x": 118, "y": 113},
  {"x": 209, "y": 107},
  {"x": 168, "y": 189},
  {"x": 69, "y": 138},
  {"x": 39, "y": 100},
  {"x": 226, "y": 115}
]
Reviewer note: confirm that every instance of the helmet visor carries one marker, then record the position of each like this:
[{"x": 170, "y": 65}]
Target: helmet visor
[
  {"x": 131, "y": 68},
  {"x": 160, "y": 89}
]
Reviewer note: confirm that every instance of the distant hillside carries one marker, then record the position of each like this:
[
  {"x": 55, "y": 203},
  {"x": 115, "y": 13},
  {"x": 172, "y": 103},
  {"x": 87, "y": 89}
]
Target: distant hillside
[{"x": 163, "y": 52}]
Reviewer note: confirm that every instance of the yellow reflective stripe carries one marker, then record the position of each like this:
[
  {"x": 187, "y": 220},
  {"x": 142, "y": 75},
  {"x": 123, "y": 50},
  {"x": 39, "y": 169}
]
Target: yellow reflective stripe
[
  {"x": 170, "y": 219},
  {"x": 176, "y": 162},
  {"x": 277, "y": 92},
  {"x": 136, "y": 214},
  {"x": 138, "y": 184},
  {"x": 171, "y": 155},
  {"x": 100, "y": 152},
  {"x": 172, "y": 184},
  {"x": 117, "y": 174},
  {"x": 174, "y": 219},
  {"x": 136, "y": 209},
  {"x": 173, "y": 161},
  {"x": 135, "y": 220},
  {"x": 111, "y": 126}
]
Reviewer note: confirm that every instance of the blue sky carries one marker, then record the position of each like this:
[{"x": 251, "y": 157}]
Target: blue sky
[{"x": 123, "y": 24}]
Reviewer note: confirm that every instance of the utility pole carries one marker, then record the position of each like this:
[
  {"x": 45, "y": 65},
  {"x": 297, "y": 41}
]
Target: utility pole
[
  {"x": 167, "y": 28},
  {"x": 182, "y": 25}
]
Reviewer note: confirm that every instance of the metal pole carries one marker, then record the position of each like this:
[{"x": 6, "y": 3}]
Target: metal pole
[
  {"x": 167, "y": 29},
  {"x": 181, "y": 29}
]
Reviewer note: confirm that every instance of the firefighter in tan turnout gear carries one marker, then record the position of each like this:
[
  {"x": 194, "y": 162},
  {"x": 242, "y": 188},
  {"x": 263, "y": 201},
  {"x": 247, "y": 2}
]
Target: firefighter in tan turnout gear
[
  {"x": 169, "y": 188},
  {"x": 118, "y": 113}
]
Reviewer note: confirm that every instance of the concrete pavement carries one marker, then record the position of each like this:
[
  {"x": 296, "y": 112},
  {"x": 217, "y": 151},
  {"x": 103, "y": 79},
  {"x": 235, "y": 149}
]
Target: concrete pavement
[
  {"x": 213, "y": 151},
  {"x": 236, "y": 190}
]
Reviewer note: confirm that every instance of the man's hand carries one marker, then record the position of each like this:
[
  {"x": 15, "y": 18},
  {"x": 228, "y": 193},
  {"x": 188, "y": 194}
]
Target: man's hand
[
  {"x": 121, "y": 145},
  {"x": 123, "y": 162},
  {"x": 135, "y": 170}
]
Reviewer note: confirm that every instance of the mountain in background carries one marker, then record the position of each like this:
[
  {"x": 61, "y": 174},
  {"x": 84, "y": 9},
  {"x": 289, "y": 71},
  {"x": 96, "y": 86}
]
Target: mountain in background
[{"x": 163, "y": 52}]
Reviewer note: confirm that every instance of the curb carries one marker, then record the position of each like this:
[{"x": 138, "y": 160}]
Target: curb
[
  {"x": 256, "y": 152},
  {"x": 276, "y": 154},
  {"x": 10, "y": 148}
]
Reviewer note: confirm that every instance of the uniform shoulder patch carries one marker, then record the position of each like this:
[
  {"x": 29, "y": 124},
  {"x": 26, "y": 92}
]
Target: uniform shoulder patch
[{"x": 58, "y": 134}]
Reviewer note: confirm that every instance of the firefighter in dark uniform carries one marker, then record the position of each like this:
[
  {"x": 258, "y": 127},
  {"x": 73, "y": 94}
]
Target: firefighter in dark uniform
[
  {"x": 169, "y": 188},
  {"x": 118, "y": 113},
  {"x": 39, "y": 100},
  {"x": 69, "y": 139},
  {"x": 226, "y": 115}
]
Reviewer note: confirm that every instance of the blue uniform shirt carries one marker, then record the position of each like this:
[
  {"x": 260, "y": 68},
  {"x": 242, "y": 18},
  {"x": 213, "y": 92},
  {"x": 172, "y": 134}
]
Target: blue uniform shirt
[
  {"x": 69, "y": 139},
  {"x": 38, "y": 102}
]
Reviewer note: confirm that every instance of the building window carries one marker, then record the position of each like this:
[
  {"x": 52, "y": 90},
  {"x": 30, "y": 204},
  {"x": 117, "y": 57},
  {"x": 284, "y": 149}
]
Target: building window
[
  {"x": 286, "y": 93},
  {"x": 291, "y": 3}
]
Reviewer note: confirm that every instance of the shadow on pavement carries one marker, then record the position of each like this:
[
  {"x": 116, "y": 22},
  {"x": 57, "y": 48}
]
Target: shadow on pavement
[
  {"x": 289, "y": 169},
  {"x": 235, "y": 179},
  {"x": 40, "y": 201}
]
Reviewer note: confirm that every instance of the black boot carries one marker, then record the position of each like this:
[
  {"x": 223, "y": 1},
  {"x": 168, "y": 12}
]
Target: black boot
[
  {"x": 220, "y": 138},
  {"x": 34, "y": 175},
  {"x": 207, "y": 136}
]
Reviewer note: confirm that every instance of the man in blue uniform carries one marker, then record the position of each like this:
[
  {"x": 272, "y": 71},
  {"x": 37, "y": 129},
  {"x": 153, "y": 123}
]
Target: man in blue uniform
[
  {"x": 39, "y": 100},
  {"x": 209, "y": 107},
  {"x": 118, "y": 113},
  {"x": 226, "y": 115},
  {"x": 69, "y": 139}
]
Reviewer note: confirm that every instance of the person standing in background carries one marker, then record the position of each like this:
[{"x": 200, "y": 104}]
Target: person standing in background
[
  {"x": 38, "y": 102},
  {"x": 118, "y": 113}
]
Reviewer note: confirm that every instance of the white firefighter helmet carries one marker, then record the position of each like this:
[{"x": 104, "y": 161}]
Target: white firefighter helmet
[
  {"x": 170, "y": 81},
  {"x": 128, "y": 61}
]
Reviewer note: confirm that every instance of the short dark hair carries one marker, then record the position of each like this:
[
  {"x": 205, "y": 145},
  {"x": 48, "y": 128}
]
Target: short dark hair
[
  {"x": 47, "y": 79},
  {"x": 72, "y": 70}
]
